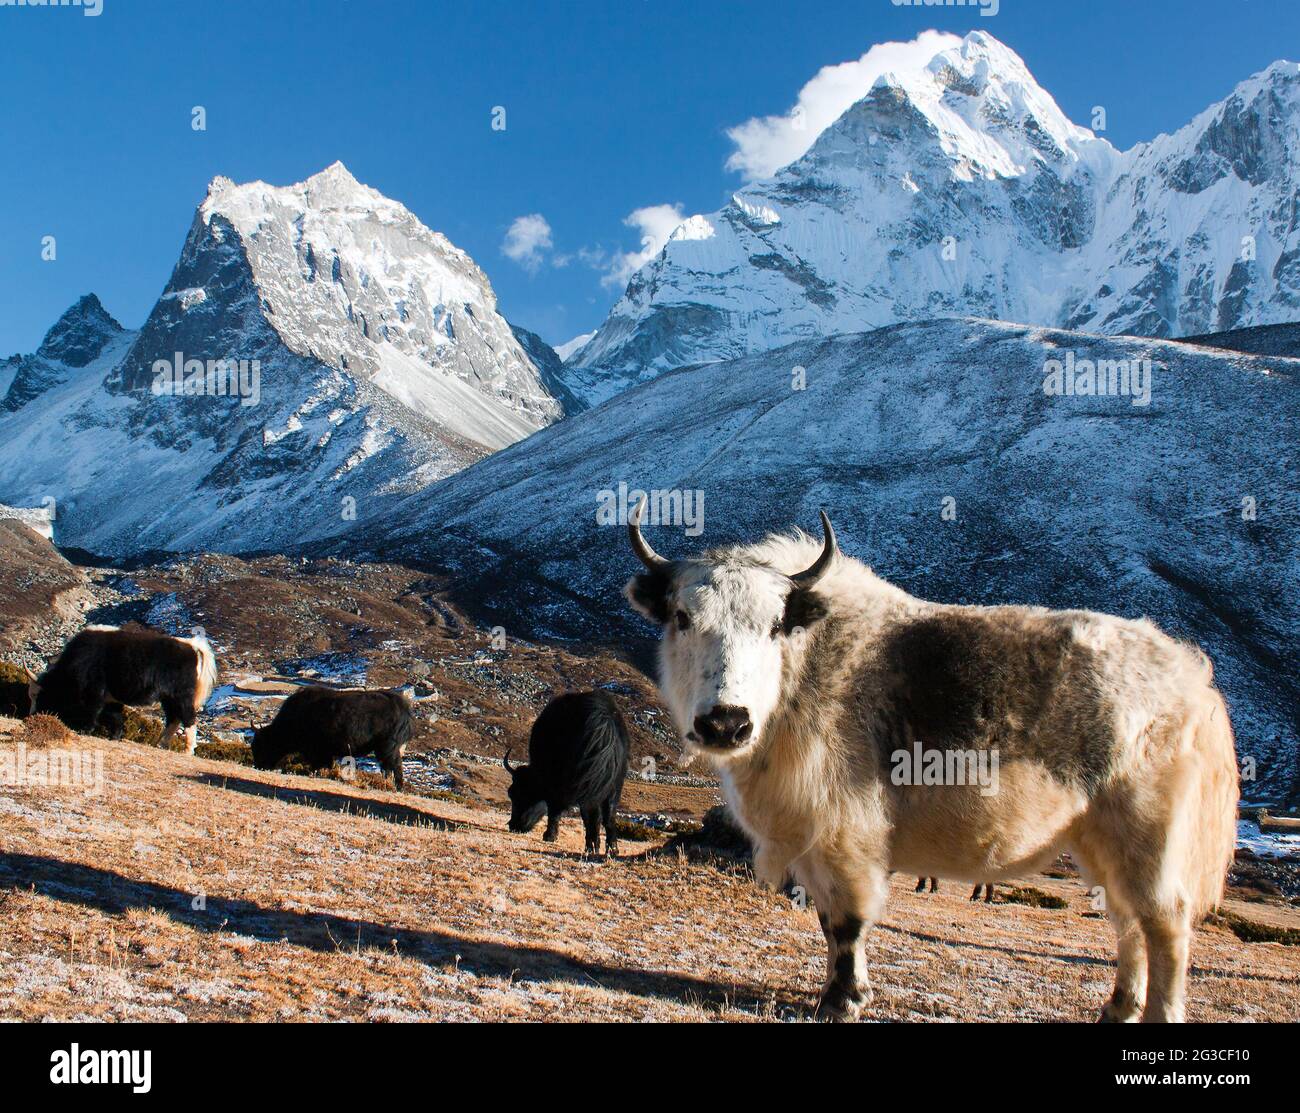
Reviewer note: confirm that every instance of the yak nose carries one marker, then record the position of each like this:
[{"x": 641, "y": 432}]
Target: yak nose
[{"x": 725, "y": 725}]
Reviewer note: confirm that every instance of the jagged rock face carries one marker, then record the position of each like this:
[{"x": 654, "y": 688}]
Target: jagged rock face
[
  {"x": 1094, "y": 501},
  {"x": 130, "y": 472},
  {"x": 1202, "y": 232},
  {"x": 26, "y": 377},
  {"x": 77, "y": 339},
  {"x": 961, "y": 188},
  {"x": 80, "y": 335},
  {"x": 376, "y": 359},
  {"x": 341, "y": 275},
  {"x": 550, "y": 369}
]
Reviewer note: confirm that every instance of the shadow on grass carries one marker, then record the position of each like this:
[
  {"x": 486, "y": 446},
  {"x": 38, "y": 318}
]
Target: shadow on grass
[
  {"x": 114, "y": 893},
  {"x": 328, "y": 801}
]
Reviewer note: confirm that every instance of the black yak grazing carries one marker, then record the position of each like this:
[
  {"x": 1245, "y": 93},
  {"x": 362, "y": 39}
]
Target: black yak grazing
[
  {"x": 323, "y": 724},
  {"x": 577, "y": 756},
  {"x": 104, "y": 668}
]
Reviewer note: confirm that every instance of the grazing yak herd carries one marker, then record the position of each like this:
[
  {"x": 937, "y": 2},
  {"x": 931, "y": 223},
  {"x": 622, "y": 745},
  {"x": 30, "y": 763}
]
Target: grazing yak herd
[{"x": 803, "y": 677}]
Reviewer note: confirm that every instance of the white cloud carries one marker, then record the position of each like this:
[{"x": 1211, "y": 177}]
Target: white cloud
[
  {"x": 764, "y": 144},
  {"x": 527, "y": 240},
  {"x": 655, "y": 223}
]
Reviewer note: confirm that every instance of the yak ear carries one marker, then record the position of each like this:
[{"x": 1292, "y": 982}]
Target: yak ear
[
  {"x": 648, "y": 594},
  {"x": 803, "y": 608}
]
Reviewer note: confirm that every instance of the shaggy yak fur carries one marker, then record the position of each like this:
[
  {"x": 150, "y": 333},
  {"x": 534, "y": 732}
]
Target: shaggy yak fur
[
  {"x": 805, "y": 679},
  {"x": 324, "y": 724},
  {"x": 577, "y": 757},
  {"x": 103, "y": 668}
]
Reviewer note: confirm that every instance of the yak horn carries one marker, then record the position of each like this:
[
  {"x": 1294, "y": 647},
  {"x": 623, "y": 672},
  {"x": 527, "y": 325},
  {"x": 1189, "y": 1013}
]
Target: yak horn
[
  {"x": 823, "y": 562},
  {"x": 648, "y": 556},
  {"x": 505, "y": 760}
]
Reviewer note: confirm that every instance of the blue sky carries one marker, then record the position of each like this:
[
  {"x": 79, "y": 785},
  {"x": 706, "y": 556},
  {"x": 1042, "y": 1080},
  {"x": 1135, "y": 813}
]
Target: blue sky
[{"x": 610, "y": 108}]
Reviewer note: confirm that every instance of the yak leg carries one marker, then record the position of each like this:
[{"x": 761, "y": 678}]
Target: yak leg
[
  {"x": 1130, "y": 992},
  {"x": 934, "y": 884},
  {"x": 920, "y": 885},
  {"x": 846, "y": 989},
  {"x": 112, "y": 720},
  {"x": 395, "y": 767},
  {"x": 89, "y": 713},
  {"x": 169, "y": 726},
  {"x": 552, "y": 831},
  {"x": 1126, "y": 856},
  {"x": 591, "y": 821},
  {"x": 611, "y": 835},
  {"x": 179, "y": 714},
  {"x": 848, "y": 905},
  {"x": 1168, "y": 940},
  {"x": 1122, "y": 898}
]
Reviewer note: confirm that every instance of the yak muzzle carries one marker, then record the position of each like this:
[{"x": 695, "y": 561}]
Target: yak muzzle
[{"x": 724, "y": 728}]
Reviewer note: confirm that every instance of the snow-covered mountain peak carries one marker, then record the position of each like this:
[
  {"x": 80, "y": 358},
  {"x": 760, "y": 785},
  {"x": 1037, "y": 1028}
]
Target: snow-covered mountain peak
[
  {"x": 344, "y": 275},
  {"x": 1251, "y": 132},
  {"x": 980, "y": 61},
  {"x": 988, "y": 114},
  {"x": 325, "y": 351},
  {"x": 333, "y": 211},
  {"x": 956, "y": 186},
  {"x": 336, "y": 175},
  {"x": 80, "y": 335},
  {"x": 1281, "y": 75},
  {"x": 83, "y": 339},
  {"x": 332, "y": 190},
  {"x": 570, "y": 347}
]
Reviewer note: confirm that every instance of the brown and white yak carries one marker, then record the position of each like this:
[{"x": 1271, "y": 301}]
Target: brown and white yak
[
  {"x": 805, "y": 678},
  {"x": 103, "y": 668}
]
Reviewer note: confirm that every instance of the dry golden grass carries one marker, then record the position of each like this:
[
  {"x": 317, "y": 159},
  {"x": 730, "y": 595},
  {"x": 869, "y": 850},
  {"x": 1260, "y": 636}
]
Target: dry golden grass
[
  {"x": 42, "y": 730},
  {"x": 218, "y": 749},
  {"x": 147, "y": 730},
  {"x": 13, "y": 674},
  {"x": 204, "y": 890}
]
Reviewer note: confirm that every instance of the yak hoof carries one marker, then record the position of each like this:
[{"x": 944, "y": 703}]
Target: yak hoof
[
  {"x": 1120, "y": 1009},
  {"x": 840, "y": 1006}
]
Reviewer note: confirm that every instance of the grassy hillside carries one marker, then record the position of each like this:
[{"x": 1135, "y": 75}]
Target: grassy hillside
[{"x": 202, "y": 890}]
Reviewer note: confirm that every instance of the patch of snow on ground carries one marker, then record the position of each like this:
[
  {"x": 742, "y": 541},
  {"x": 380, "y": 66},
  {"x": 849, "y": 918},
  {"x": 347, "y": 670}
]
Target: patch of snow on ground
[{"x": 1266, "y": 844}]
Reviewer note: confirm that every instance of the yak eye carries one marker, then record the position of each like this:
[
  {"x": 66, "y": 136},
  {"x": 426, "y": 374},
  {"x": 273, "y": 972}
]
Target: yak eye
[
  {"x": 778, "y": 627},
  {"x": 683, "y": 620}
]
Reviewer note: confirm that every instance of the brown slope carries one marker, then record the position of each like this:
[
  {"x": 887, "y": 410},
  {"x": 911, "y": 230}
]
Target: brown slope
[{"x": 201, "y": 890}]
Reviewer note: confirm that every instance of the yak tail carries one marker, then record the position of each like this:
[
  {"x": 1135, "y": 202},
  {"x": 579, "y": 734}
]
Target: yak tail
[
  {"x": 405, "y": 721},
  {"x": 207, "y": 669},
  {"x": 604, "y": 758},
  {"x": 1214, "y": 837}
]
